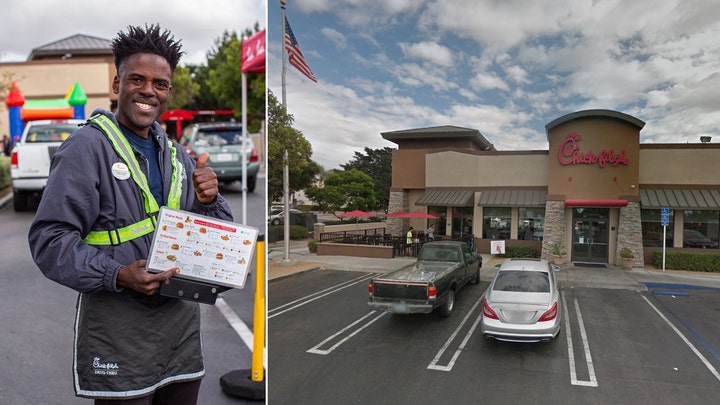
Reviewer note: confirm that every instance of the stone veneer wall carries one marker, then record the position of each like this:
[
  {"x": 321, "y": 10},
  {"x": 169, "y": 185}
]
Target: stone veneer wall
[
  {"x": 554, "y": 227},
  {"x": 399, "y": 201},
  {"x": 630, "y": 233}
]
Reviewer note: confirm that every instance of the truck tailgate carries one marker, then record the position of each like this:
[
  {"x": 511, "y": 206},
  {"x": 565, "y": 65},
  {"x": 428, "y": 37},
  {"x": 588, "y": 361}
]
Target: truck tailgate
[
  {"x": 410, "y": 283},
  {"x": 34, "y": 159}
]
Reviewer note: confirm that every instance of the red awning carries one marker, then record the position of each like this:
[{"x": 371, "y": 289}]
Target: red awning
[{"x": 596, "y": 203}]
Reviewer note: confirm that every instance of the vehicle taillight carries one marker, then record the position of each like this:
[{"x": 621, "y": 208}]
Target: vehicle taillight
[
  {"x": 432, "y": 292},
  {"x": 370, "y": 288},
  {"x": 14, "y": 159},
  {"x": 550, "y": 314},
  {"x": 254, "y": 156},
  {"x": 487, "y": 311}
]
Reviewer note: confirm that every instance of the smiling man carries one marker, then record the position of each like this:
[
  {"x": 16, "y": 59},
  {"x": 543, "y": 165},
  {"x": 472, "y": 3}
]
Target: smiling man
[{"x": 93, "y": 230}]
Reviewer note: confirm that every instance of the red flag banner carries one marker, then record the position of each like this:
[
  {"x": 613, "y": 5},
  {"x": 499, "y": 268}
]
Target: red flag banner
[
  {"x": 253, "y": 53},
  {"x": 296, "y": 57}
]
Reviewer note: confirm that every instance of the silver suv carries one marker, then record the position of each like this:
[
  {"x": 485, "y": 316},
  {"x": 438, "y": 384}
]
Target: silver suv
[{"x": 223, "y": 141}]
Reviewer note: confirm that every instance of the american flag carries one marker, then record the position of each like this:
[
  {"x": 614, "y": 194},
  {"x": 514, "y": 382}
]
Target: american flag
[{"x": 294, "y": 55}]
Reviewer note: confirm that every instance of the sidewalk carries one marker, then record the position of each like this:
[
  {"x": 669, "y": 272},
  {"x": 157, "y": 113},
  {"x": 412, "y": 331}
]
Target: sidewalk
[{"x": 569, "y": 276}]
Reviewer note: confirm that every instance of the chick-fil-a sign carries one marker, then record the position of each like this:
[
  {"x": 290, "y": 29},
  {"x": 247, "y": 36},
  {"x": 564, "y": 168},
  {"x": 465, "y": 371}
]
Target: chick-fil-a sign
[{"x": 569, "y": 154}]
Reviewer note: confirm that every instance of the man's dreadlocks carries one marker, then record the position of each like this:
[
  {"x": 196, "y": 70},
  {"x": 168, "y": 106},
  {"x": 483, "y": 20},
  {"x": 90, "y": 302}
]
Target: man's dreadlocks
[{"x": 148, "y": 40}]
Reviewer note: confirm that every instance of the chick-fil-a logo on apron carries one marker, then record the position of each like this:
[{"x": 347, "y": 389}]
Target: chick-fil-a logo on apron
[{"x": 569, "y": 154}]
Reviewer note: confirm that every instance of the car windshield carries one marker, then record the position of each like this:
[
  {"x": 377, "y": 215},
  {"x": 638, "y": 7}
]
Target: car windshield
[
  {"x": 522, "y": 281},
  {"x": 219, "y": 137},
  {"x": 50, "y": 133}
]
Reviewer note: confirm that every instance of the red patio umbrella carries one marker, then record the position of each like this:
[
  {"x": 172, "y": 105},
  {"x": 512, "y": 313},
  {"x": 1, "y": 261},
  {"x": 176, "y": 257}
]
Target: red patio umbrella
[
  {"x": 355, "y": 214},
  {"x": 395, "y": 214},
  {"x": 418, "y": 214}
]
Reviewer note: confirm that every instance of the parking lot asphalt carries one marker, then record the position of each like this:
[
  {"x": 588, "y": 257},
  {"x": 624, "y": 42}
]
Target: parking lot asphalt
[{"x": 299, "y": 260}]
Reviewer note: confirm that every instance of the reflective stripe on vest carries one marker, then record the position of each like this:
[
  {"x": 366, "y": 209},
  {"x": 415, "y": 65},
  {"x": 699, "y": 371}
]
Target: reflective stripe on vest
[{"x": 125, "y": 151}]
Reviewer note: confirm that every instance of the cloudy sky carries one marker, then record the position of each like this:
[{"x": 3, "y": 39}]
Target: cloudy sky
[
  {"x": 505, "y": 68},
  {"x": 28, "y": 24}
]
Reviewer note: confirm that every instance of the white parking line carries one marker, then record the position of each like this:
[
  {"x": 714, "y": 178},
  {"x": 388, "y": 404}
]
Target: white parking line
[
  {"x": 433, "y": 364},
  {"x": 684, "y": 339},
  {"x": 586, "y": 346},
  {"x": 239, "y": 326},
  {"x": 306, "y": 299},
  {"x": 316, "y": 349}
]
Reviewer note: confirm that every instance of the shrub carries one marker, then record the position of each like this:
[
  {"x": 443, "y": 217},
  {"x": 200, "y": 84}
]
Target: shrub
[
  {"x": 312, "y": 245},
  {"x": 297, "y": 232},
  {"x": 626, "y": 253},
  {"x": 521, "y": 252},
  {"x": 5, "y": 179},
  {"x": 690, "y": 261}
]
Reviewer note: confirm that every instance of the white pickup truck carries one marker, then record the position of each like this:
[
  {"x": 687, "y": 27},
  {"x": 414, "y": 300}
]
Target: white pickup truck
[{"x": 30, "y": 159}]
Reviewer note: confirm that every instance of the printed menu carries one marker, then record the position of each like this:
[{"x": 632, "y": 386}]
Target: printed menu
[{"x": 203, "y": 248}]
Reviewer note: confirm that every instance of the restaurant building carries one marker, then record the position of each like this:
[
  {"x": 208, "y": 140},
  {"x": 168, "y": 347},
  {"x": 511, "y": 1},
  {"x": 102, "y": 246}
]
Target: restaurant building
[{"x": 596, "y": 189}]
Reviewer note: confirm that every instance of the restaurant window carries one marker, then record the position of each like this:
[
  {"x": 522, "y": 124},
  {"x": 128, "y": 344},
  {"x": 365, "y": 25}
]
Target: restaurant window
[
  {"x": 441, "y": 221},
  {"x": 531, "y": 223},
  {"x": 462, "y": 221},
  {"x": 496, "y": 223},
  {"x": 652, "y": 229},
  {"x": 700, "y": 229}
]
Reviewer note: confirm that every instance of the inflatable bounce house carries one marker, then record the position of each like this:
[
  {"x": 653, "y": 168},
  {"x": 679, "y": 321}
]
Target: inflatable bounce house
[{"x": 21, "y": 110}]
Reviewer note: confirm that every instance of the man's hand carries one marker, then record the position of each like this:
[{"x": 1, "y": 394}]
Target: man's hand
[
  {"x": 205, "y": 181},
  {"x": 136, "y": 277}
]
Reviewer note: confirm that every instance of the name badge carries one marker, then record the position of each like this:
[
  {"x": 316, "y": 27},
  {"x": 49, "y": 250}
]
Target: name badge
[{"x": 120, "y": 171}]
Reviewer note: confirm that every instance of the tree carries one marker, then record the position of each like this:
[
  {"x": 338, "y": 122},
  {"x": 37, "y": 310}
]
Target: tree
[
  {"x": 282, "y": 136},
  {"x": 347, "y": 190},
  {"x": 376, "y": 163},
  {"x": 224, "y": 80},
  {"x": 184, "y": 89}
]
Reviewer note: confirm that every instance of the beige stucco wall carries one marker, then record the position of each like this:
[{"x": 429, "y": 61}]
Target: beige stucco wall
[
  {"x": 486, "y": 169},
  {"x": 678, "y": 164},
  {"x": 53, "y": 79},
  {"x": 592, "y": 181}
]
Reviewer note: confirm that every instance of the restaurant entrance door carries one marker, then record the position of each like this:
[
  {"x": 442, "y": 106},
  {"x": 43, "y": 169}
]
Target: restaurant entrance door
[{"x": 590, "y": 235}]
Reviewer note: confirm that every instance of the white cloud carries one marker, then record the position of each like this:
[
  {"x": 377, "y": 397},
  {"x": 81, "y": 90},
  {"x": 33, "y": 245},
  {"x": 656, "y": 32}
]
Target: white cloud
[
  {"x": 431, "y": 52},
  {"x": 336, "y": 37}
]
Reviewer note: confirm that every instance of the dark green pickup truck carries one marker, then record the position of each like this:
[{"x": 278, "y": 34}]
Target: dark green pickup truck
[{"x": 441, "y": 270}]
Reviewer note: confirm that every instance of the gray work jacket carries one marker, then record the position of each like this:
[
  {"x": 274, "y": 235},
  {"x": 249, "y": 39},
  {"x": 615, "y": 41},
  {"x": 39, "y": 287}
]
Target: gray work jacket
[{"x": 126, "y": 344}]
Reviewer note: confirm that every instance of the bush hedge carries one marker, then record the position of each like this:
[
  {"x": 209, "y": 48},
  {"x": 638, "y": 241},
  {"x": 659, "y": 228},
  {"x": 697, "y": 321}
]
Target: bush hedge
[
  {"x": 5, "y": 179},
  {"x": 312, "y": 245},
  {"x": 690, "y": 261},
  {"x": 521, "y": 252},
  {"x": 297, "y": 232}
]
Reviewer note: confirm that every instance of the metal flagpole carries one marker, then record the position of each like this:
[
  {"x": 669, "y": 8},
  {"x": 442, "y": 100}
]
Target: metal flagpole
[
  {"x": 244, "y": 149},
  {"x": 284, "y": 51},
  {"x": 286, "y": 168}
]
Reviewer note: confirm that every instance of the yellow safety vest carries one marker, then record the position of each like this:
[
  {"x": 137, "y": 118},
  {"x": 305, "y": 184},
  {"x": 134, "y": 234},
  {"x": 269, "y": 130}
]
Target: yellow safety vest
[{"x": 124, "y": 150}]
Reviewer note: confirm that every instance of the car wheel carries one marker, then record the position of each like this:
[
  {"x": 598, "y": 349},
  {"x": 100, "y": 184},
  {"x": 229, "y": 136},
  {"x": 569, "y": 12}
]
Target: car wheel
[
  {"x": 251, "y": 184},
  {"x": 476, "y": 279},
  {"x": 275, "y": 222},
  {"x": 20, "y": 201},
  {"x": 449, "y": 304}
]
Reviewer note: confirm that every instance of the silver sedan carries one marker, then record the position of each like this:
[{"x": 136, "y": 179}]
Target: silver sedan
[{"x": 522, "y": 303}]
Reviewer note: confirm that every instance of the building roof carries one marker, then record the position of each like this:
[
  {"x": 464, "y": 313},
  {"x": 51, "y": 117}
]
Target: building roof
[
  {"x": 683, "y": 199},
  {"x": 77, "y": 44},
  {"x": 599, "y": 113},
  {"x": 447, "y": 198},
  {"x": 439, "y": 133},
  {"x": 513, "y": 198}
]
